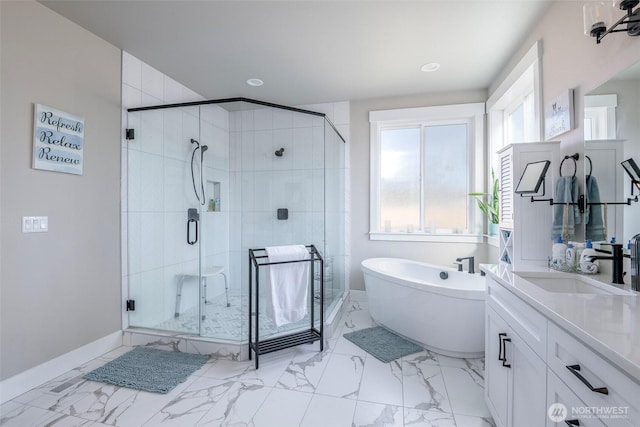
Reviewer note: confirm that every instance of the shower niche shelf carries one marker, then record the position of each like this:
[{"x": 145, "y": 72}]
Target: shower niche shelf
[{"x": 213, "y": 196}]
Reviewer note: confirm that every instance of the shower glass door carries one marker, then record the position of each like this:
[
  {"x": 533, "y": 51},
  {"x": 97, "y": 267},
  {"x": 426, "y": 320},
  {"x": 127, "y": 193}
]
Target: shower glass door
[
  {"x": 204, "y": 185},
  {"x": 163, "y": 219}
]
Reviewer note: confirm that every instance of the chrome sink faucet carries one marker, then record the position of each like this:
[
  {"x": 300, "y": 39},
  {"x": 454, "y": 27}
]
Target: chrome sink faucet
[
  {"x": 617, "y": 274},
  {"x": 471, "y": 262}
]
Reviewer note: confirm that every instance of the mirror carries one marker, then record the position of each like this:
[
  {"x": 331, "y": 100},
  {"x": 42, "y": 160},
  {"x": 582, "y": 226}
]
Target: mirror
[
  {"x": 632, "y": 170},
  {"x": 612, "y": 135},
  {"x": 532, "y": 177}
]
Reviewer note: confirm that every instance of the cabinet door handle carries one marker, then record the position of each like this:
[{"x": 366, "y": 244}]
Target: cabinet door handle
[
  {"x": 574, "y": 370},
  {"x": 504, "y": 361},
  {"x": 572, "y": 422},
  {"x": 501, "y": 346}
]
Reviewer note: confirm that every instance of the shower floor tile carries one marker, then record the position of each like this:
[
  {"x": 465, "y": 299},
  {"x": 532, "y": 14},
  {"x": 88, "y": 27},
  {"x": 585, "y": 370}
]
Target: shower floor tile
[
  {"x": 293, "y": 387},
  {"x": 228, "y": 322}
]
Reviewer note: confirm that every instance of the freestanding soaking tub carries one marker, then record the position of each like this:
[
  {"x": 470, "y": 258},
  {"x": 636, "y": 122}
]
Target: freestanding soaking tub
[{"x": 438, "y": 308}]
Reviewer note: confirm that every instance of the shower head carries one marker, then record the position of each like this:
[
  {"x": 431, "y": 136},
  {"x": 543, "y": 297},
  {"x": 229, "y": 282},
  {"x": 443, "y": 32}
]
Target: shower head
[
  {"x": 279, "y": 152},
  {"x": 204, "y": 148}
]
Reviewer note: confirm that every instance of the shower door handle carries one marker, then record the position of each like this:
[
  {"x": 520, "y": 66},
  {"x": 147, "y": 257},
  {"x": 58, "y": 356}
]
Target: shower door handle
[
  {"x": 195, "y": 235},
  {"x": 193, "y": 217}
]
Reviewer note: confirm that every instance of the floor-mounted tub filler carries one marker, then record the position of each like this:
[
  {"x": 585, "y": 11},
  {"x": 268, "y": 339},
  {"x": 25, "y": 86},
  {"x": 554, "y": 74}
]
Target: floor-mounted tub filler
[{"x": 436, "y": 307}]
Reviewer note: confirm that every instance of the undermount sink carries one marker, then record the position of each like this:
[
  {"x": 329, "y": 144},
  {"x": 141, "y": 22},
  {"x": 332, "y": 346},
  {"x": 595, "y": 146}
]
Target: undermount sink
[{"x": 572, "y": 284}]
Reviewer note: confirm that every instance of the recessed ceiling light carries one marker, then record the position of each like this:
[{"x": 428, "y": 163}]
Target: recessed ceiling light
[
  {"x": 255, "y": 82},
  {"x": 430, "y": 67}
]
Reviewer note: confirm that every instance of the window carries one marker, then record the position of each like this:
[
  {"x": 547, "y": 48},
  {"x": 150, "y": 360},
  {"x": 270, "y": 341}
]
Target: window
[
  {"x": 514, "y": 111},
  {"x": 600, "y": 116},
  {"x": 422, "y": 169},
  {"x": 514, "y": 108}
]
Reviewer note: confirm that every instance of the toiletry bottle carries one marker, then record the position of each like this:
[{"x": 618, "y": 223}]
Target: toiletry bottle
[
  {"x": 587, "y": 266},
  {"x": 571, "y": 255},
  {"x": 559, "y": 252},
  {"x": 579, "y": 248}
]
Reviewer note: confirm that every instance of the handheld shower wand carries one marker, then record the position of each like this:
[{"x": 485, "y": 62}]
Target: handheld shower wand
[{"x": 202, "y": 149}]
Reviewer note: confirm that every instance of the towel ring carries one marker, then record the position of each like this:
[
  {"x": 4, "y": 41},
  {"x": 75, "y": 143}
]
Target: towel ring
[
  {"x": 590, "y": 166},
  {"x": 575, "y": 157}
]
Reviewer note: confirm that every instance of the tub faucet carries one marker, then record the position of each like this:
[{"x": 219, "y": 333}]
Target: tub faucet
[
  {"x": 471, "y": 262},
  {"x": 616, "y": 258}
]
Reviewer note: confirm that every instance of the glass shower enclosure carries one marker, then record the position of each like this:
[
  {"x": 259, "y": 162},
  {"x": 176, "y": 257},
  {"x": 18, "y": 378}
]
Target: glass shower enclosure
[{"x": 206, "y": 182}]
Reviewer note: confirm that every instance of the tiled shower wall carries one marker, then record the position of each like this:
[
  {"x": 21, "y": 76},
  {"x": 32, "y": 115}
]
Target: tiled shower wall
[
  {"x": 253, "y": 184},
  {"x": 312, "y": 163}
]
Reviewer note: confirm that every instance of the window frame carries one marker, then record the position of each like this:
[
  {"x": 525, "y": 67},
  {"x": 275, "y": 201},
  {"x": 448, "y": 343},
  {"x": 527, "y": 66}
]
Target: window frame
[
  {"x": 473, "y": 115},
  {"x": 524, "y": 79}
]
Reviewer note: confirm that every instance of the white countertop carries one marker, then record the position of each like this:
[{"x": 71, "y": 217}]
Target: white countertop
[{"x": 609, "y": 324}]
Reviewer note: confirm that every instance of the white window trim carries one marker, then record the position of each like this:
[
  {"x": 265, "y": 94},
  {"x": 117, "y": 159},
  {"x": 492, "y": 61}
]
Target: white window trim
[
  {"x": 502, "y": 97},
  {"x": 474, "y": 113},
  {"x": 530, "y": 59}
]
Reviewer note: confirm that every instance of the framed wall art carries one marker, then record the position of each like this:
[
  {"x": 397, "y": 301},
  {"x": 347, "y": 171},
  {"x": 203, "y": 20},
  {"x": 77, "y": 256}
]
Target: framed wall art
[
  {"x": 58, "y": 140},
  {"x": 558, "y": 115}
]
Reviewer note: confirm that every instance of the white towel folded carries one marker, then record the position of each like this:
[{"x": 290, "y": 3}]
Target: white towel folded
[{"x": 288, "y": 286}]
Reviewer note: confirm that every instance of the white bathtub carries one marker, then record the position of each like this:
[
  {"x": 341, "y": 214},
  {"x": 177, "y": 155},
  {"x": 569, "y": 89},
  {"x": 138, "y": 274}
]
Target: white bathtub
[{"x": 410, "y": 299}]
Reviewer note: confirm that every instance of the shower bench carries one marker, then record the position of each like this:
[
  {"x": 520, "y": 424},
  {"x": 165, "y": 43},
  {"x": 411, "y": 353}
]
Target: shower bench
[{"x": 209, "y": 272}]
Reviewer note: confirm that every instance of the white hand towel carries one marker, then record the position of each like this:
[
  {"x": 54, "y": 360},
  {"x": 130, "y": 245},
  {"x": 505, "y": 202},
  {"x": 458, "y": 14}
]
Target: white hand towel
[{"x": 288, "y": 286}]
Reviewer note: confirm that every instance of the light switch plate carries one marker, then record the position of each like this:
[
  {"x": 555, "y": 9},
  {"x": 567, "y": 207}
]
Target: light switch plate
[{"x": 35, "y": 224}]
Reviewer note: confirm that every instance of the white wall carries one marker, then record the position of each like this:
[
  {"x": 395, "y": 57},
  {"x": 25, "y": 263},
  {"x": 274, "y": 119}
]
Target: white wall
[{"x": 59, "y": 290}]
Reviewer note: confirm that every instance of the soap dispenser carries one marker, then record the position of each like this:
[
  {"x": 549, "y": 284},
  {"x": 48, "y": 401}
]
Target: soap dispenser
[
  {"x": 586, "y": 265},
  {"x": 558, "y": 252},
  {"x": 571, "y": 255}
]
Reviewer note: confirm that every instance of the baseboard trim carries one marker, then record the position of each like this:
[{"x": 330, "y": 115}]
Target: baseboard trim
[{"x": 25, "y": 381}]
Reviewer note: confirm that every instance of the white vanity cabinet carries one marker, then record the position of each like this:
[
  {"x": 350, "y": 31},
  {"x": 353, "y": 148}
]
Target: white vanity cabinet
[
  {"x": 515, "y": 371},
  {"x": 558, "y": 392},
  {"x": 593, "y": 380},
  {"x": 532, "y": 363}
]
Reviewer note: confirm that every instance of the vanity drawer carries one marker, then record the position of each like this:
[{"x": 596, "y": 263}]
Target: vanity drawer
[
  {"x": 558, "y": 392},
  {"x": 615, "y": 395},
  {"x": 529, "y": 324}
]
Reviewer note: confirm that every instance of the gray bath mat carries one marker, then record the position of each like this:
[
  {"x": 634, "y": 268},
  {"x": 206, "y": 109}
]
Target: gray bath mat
[
  {"x": 382, "y": 344},
  {"x": 149, "y": 369}
]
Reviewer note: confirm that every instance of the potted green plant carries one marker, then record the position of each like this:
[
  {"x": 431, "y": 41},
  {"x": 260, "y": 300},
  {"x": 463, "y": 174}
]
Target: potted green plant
[{"x": 491, "y": 207}]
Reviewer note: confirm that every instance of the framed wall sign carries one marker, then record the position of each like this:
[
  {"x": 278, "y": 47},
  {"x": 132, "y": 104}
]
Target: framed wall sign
[
  {"x": 58, "y": 140},
  {"x": 558, "y": 115}
]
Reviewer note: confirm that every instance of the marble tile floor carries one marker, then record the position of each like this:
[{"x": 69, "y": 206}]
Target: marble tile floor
[{"x": 342, "y": 386}]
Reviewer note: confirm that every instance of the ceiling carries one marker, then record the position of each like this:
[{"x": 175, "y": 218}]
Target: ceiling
[{"x": 314, "y": 51}]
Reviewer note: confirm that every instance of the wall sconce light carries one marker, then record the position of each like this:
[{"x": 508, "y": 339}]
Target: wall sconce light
[{"x": 598, "y": 18}]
